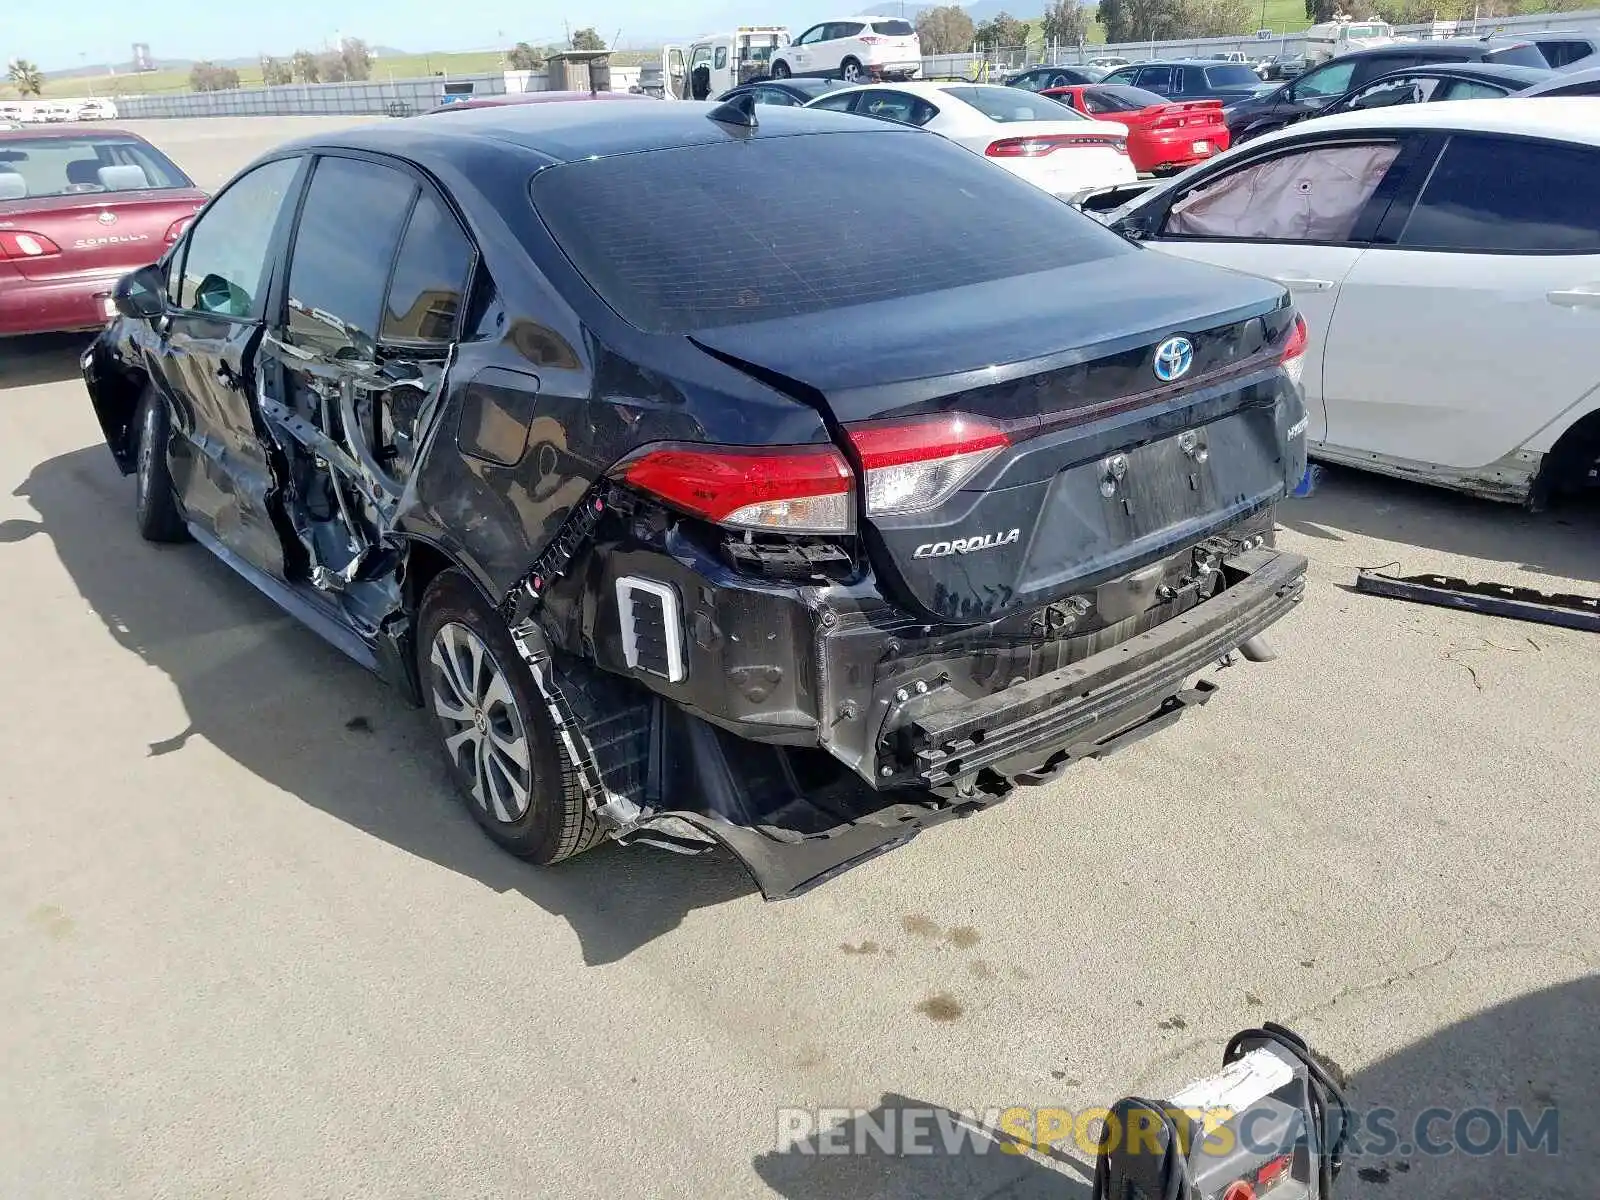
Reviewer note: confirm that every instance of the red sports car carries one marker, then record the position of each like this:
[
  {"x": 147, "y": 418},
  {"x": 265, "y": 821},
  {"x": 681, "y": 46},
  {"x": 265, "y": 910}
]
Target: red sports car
[
  {"x": 1163, "y": 135},
  {"x": 79, "y": 210}
]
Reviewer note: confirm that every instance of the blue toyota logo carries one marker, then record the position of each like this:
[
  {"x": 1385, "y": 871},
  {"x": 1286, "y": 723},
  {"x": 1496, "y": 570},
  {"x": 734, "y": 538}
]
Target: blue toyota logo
[{"x": 1174, "y": 357}]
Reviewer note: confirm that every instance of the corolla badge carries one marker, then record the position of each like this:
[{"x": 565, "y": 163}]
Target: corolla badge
[{"x": 1174, "y": 357}]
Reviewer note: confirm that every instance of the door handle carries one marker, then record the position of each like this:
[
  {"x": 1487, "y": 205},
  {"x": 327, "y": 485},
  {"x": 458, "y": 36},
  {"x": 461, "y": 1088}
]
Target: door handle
[
  {"x": 1584, "y": 296},
  {"x": 1295, "y": 284}
]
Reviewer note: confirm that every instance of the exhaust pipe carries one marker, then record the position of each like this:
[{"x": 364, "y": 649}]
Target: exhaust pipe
[{"x": 1257, "y": 650}]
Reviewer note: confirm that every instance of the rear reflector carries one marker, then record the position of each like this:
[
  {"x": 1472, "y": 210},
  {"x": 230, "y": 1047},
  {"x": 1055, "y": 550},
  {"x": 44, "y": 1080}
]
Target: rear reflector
[
  {"x": 1038, "y": 147},
  {"x": 14, "y": 244},
  {"x": 915, "y": 465},
  {"x": 1294, "y": 349},
  {"x": 790, "y": 489},
  {"x": 1272, "y": 1171}
]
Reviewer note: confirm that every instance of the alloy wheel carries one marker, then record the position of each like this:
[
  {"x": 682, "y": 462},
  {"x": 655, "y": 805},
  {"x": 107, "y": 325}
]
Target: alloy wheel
[{"x": 485, "y": 736}]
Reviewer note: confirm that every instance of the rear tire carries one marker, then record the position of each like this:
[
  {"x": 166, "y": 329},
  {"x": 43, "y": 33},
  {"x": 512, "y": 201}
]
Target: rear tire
[
  {"x": 780, "y": 70},
  {"x": 496, "y": 733},
  {"x": 155, "y": 505},
  {"x": 850, "y": 71}
]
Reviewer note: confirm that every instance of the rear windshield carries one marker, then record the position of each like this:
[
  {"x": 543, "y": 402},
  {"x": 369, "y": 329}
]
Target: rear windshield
[
  {"x": 1524, "y": 54},
  {"x": 1231, "y": 77},
  {"x": 1117, "y": 97},
  {"x": 893, "y": 28},
  {"x": 31, "y": 167},
  {"x": 1007, "y": 104},
  {"x": 730, "y": 233}
]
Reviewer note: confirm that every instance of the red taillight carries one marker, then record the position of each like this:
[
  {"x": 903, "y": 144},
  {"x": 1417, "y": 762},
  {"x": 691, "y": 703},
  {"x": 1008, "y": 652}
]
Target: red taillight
[
  {"x": 1039, "y": 146},
  {"x": 1271, "y": 1172},
  {"x": 871, "y": 40},
  {"x": 16, "y": 244},
  {"x": 1239, "y": 1190},
  {"x": 1294, "y": 349},
  {"x": 914, "y": 465},
  {"x": 792, "y": 489},
  {"x": 177, "y": 228}
]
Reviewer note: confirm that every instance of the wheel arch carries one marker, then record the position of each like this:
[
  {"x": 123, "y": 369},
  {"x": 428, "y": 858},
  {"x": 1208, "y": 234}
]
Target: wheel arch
[
  {"x": 425, "y": 560},
  {"x": 1566, "y": 464}
]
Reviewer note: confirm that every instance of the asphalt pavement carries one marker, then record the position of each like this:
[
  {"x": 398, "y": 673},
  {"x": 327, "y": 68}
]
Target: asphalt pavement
[{"x": 251, "y": 945}]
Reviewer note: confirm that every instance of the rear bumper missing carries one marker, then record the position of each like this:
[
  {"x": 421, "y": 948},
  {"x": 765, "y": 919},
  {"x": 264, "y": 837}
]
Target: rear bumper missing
[{"x": 1034, "y": 729}]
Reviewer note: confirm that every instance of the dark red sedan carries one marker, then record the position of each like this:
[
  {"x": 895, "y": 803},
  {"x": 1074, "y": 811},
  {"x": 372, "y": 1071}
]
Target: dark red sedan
[
  {"x": 1163, "y": 135},
  {"x": 78, "y": 210}
]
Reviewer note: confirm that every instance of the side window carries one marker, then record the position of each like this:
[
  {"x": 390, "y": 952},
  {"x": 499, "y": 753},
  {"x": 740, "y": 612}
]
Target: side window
[
  {"x": 844, "y": 103},
  {"x": 845, "y": 29},
  {"x": 225, "y": 257},
  {"x": 1470, "y": 89},
  {"x": 430, "y": 277},
  {"x": 897, "y": 107},
  {"x": 1314, "y": 195},
  {"x": 767, "y": 95},
  {"x": 702, "y": 57},
  {"x": 1124, "y": 76},
  {"x": 722, "y": 58},
  {"x": 1510, "y": 196},
  {"x": 343, "y": 249},
  {"x": 814, "y": 34},
  {"x": 1395, "y": 91},
  {"x": 1327, "y": 82},
  {"x": 1157, "y": 79}
]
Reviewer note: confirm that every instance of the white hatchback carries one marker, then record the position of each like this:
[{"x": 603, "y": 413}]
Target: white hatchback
[
  {"x": 1033, "y": 137},
  {"x": 855, "y": 50},
  {"x": 1446, "y": 259}
]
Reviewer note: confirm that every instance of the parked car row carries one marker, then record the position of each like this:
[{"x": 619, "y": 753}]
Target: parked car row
[{"x": 54, "y": 112}]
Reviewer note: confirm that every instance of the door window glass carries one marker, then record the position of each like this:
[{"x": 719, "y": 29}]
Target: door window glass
[
  {"x": 430, "y": 276},
  {"x": 1412, "y": 90},
  {"x": 896, "y": 106},
  {"x": 1157, "y": 79},
  {"x": 722, "y": 59},
  {"x": 1469, "y": 89},
  {"x": 842, "y": 103},
  {"x": 225, "y": 263},
  {"x": 1507, "y": 195},
  {"x": 343, "y": 249},
  {"x": 1313, "y": 196},
  {"x": 1330, "y": 81},
  {"x": 814, "y": 34},
  {"x": 766, "y": 95}
]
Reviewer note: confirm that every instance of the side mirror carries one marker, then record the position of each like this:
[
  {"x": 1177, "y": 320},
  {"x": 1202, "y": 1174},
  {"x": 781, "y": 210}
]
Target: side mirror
[{"x": 142, "y": 294}]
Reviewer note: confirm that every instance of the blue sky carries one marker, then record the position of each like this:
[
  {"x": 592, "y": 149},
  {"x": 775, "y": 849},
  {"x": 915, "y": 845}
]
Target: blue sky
[{"x": 63, "y": 35}]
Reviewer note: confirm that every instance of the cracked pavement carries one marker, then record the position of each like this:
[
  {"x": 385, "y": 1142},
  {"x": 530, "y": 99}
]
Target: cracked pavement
[{"x": 250, "y": 945}]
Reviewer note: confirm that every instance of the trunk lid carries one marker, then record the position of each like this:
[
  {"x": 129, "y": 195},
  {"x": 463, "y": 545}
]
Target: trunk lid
[
  {"x": 1195, "y": 113},
  {"x": 98, "y": 232},
  {"x": 1065, "y": 369}
]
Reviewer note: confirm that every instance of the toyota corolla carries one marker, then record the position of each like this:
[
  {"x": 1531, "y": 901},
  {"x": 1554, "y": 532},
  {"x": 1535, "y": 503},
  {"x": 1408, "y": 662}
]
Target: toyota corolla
[
  {"x": 78, "y": 210},
  {"x": 786, "y": 515}
]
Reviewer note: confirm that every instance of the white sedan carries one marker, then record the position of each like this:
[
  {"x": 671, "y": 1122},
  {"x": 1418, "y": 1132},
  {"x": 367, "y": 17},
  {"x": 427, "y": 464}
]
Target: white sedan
[
  {"x": 1446, "y": 258},
  {"x": 1034, "y": 137}
]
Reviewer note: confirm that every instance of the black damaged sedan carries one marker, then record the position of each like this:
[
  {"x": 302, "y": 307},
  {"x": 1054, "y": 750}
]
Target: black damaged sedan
[{"x": 701, "y": 493}]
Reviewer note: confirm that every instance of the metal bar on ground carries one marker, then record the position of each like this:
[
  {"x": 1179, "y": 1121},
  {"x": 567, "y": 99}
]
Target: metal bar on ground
[{"x": 1495, "y": 599}]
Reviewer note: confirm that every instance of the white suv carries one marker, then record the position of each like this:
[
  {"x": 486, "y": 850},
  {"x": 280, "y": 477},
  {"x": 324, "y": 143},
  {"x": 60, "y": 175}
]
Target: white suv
[{"x": 856, "y": 50}]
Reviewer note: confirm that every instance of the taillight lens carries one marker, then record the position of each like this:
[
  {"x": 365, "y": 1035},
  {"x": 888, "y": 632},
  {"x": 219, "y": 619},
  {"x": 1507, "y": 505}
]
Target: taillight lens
[
  {"x": 1294, "y": 349},
  {"x": 915, "y": 465},
  {"x": 872, "y": 40},
  {"x": 177, "y": 228},
  {"x": 16, "y": 244},
  {"x": 1039, "y": 146},
  {"x": 795, "y": 489}
]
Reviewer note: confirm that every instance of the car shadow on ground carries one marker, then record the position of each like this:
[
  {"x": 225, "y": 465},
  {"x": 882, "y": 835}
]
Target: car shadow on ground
[
  {"x": 906, "y": 1149},
  {"x": 48, "y": 358},
  {"x": 1563, "y": 541},
  {"x": 1531, "y": 1056},
  {"x": 282, "y": 704}
]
